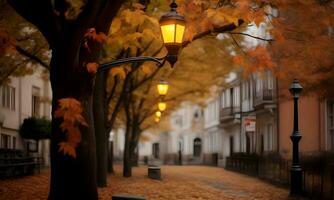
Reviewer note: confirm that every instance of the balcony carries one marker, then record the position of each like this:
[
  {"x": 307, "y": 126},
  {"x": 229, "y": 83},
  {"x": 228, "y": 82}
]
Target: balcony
[
  {"x": 229, "y": 114},
  {"x": 264, "y": 98}
]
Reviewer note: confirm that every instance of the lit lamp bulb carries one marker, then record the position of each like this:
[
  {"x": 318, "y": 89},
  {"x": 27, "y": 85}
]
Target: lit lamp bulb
[
  {"x": 157, "y": 119},
  {"x": 162, "y": 106},
  {"x": 158, "y": 114},
  {"x": 162, "y": 88},
  {"x": 172, "y": 26}
]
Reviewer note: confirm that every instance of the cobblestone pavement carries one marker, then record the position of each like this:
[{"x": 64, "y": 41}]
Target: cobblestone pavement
[{"x": 178, "y": 182}]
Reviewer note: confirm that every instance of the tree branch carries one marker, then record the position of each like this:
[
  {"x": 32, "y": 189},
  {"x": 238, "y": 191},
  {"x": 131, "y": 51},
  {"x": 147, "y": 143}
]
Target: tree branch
[
  {"x": 237, "y": 44},
  {"x": 222, "y": 29},
  {"x": 32, "y": 57},
  {"x": 41, "y": 14},
  {"x": 252, "y": 36},
  {"x": 3, "y": 76},
  {"x": 113, "y": 89}
]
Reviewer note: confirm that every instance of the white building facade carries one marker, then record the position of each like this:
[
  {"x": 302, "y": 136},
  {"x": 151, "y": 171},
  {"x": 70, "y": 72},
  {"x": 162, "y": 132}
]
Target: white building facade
[
  {"x": 212, "y": 137},
  {"x": 21, "y": 98}
]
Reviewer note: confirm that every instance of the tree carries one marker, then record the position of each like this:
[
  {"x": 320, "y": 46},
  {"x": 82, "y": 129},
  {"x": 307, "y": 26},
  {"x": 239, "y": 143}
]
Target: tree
[
  {"x": 305, "y": 31},
  {"x": 139, "y": 85},
  {"x": 35, "y": 129},
  {"x": 67, "y": 27},
  {"x": 128, "y": 36}
]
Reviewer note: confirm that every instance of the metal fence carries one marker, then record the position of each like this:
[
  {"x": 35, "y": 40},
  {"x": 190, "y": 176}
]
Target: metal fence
[{"x": 318, "y": 171}]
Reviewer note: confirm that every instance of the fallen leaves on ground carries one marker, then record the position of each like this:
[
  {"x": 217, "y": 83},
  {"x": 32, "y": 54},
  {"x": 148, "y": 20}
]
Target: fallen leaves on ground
[{"x": 178, "y": 182}]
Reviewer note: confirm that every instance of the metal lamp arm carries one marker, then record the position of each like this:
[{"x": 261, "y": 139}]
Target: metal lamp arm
[{"x": 112, "y": 64}]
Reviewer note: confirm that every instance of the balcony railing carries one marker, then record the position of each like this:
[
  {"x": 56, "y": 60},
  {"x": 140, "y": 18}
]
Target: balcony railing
[
  {"x": 229, "y": 112},
  {"x": 264, "y": 96}
]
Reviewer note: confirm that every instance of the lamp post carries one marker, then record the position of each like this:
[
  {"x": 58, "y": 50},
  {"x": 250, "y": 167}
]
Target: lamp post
[
  {"x": 172, "y": 26},
  {"x": 296, "y": 170}
]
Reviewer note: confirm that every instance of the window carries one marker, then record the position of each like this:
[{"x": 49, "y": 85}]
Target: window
[
  {"x": 155, "y": 150},
  {"x": 8, "y": 97},
  {"x": 261, "y": 144},
  {"x": 14, "y": 143},
  {"x": 330, "y": 125},
  {"x": 231, "y": 145},
  {"x": 270, "y": 137},
  {"x": 222, "y": 100},
  {"x": 5, "y": 141},
  {"x": 227, "y": 98},
  {"x": 35, "y": 103},
  {"x": 197, "y": 147},
  {"x": 258, "y": 85},
  {"x": 236, "y": 96},
  {"x": 245, "y": 89},
  {"x": 248, "y": 143},
  {"x": 232, "y": 97},
  {"x": 270, "y": 81}
]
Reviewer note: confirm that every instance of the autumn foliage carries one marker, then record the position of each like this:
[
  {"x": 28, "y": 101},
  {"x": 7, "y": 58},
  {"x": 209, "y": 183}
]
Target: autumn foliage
[
  {"x": 70, "y": 111},
  {"x": 292, "y": 38}
]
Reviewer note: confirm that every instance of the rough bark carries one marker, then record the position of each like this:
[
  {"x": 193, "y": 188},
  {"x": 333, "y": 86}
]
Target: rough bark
[
  {"x": 99, "y": 125},
  {"x": 127, "y": 166},
  {"x": 72, "y": 178},
  {"x": 135, "y": 133}
]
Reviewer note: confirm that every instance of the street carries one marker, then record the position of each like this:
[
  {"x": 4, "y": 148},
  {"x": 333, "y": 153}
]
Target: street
[{"x": 178, "y": 182}]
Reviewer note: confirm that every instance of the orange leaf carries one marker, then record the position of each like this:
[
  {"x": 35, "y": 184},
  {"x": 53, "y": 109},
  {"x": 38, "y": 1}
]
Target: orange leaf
[
  {"x": 71, "y": 111},
  {"x": 67, "y": 148},
  {"x": 146, "y": 69},
  {"x": 92, "y": 67}
]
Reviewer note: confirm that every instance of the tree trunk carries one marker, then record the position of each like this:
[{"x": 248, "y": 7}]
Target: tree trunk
[
  {"x": 72, "y": 178},
  {"x": 99, "y": 125},
  {"x": 127, "y": 165},
  {"x": 133, "y": 154},
  {"x": 111, "y": 157},
  {"x": 135, "y": 134}
]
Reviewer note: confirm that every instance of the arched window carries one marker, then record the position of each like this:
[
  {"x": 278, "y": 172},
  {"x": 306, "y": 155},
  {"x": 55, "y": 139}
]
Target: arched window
[{"x": 197, "y": 147}]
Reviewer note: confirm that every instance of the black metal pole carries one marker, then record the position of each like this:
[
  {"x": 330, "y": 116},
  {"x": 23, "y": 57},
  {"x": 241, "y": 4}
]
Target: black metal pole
[
  {"x": 296, "y": 170},
  {"x": 109, "y": 65}
]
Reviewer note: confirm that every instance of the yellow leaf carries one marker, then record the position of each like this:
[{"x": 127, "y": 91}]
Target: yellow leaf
[
  {"x": 138, "y": 6},
  {"x": 118, "y": 71},
  {"x": 116, "y": 25},
  {"x": 146, "y": 69}
]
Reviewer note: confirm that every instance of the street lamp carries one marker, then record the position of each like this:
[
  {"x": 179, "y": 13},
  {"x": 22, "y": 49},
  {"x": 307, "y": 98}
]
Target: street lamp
[
  {"x": 162, "y": 106},
  {"x": 296, "y": 170},
  {"x": 162, "y": 88},
  {"x": 172, "y": 26},
  {"x": 158, "y": 114}
]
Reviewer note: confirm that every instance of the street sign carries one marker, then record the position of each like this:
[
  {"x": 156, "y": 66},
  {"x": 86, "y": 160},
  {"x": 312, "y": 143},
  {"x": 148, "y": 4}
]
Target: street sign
[{"x": 250, "y": 124}]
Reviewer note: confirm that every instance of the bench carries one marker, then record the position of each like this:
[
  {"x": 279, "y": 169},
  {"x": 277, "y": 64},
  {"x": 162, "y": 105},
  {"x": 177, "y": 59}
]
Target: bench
[
  {"x": 127, "y": 197},
  {"x": 154, "y": 172},
  {"x": 18, "y": 166}
]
